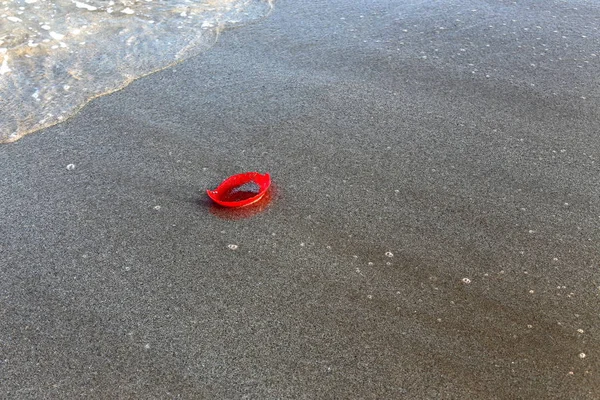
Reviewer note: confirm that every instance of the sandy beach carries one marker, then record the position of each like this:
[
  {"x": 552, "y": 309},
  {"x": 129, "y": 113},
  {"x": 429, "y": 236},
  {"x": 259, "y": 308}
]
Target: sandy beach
[{"x": 432, "y": 232}]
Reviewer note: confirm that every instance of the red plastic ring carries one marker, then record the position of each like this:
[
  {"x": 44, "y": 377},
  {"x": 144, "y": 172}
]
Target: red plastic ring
[{"x": 241, "y": 189}]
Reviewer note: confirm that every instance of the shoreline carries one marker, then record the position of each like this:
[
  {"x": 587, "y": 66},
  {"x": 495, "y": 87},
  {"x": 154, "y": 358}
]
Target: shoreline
[{"x": 432, "y": 232}]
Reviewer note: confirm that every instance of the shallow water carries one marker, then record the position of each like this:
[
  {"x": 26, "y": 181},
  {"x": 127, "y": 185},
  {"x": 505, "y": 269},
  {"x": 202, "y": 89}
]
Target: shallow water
[{"x": 57, "y": 55}]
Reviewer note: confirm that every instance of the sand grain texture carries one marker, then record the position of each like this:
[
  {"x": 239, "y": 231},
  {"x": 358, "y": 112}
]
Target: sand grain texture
[{"x": 384, "y": 133}]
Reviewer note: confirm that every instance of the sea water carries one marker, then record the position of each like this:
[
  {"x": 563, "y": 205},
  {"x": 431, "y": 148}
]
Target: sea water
[{"x": 55, "y": 55}]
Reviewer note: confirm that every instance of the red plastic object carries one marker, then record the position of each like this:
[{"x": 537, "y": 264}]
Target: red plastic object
[{"x": 241, "y": 189}]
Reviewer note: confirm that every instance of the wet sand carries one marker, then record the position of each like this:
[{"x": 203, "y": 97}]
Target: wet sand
[{"x": 432, "y": 232}]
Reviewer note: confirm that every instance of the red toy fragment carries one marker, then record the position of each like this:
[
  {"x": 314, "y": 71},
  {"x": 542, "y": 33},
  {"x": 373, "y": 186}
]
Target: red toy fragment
[{"x": 241, "y": 189}]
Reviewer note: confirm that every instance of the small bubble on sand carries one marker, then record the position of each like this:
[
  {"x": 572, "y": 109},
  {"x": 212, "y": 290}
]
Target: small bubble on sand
[
  {"x": 529, "y": 326},
  {"x": 71, "y": 167},
  {"x": 580, "y": 330},
  {"x": 532, "y": 291},
  {"x": 582, "y": 355},
  {"x": 466, "y": 280},
  {"x": 147, "y": 346},
  {"x": 389, "y": 254},
  {"x": 157, "y": 208},
  {"x": 232, "y": 246},
  {"x": 370, "y": 296}
]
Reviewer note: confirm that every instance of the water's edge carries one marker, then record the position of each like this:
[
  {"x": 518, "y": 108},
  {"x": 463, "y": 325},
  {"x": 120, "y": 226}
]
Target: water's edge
[{"x": 47, "y": 77}]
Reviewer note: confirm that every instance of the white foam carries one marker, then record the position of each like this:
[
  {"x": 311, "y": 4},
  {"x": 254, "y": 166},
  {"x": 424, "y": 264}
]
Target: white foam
[
  {"x": 57, "y": 36},
  {"x": 88, "y": 7}
]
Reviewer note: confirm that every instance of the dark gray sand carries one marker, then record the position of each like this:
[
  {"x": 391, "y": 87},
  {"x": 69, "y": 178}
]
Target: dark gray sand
[{"x": 433, "y": 232}]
